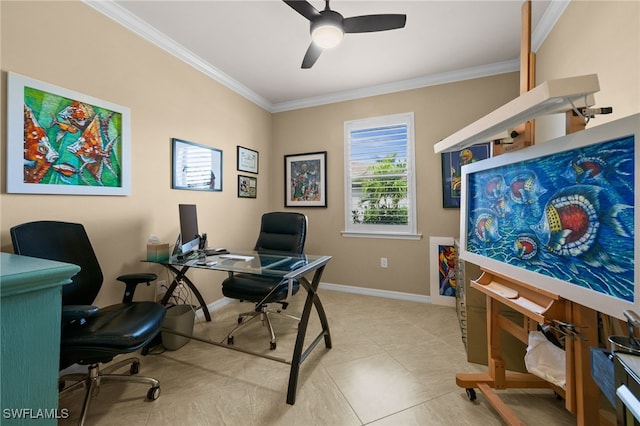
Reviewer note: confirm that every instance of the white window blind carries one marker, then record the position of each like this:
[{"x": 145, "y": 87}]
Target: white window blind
[
  {"x": 195, "y": 166},
  {"x": 379, "y": 175}
]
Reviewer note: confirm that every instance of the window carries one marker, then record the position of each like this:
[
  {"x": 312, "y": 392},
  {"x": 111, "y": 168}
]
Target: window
[{"x": 379, "y": 177}]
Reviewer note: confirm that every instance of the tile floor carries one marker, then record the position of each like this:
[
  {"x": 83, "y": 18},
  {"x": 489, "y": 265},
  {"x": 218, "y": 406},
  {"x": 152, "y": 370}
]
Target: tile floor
[{"x": 392, "y": 363}]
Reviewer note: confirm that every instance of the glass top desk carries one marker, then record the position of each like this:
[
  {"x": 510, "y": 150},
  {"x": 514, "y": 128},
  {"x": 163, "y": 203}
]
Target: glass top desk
[{"x": 288, "y": 266}]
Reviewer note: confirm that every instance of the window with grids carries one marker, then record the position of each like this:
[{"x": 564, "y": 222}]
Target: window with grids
[{"x": 379, "y": 176}]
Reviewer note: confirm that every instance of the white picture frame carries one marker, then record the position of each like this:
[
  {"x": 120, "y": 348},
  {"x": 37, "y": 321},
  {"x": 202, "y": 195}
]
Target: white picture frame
[
  {"x": 86, "y": 141},
  {"x": 551, "y": 270}
]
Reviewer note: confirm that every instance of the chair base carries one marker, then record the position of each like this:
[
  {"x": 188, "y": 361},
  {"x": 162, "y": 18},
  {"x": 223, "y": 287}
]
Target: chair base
[
  {"x": 263, "y": 313},
  {"x": 92, "y": 380}
]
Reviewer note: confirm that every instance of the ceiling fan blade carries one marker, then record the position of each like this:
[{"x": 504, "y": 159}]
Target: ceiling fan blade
[
  {"x": 312, "y": 55},
  {"x": 371, "y": 23},
  {"x": 303, "y": 8}
]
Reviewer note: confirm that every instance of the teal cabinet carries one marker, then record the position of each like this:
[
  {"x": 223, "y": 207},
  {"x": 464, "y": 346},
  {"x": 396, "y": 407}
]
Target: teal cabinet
[{"x": 30, "y": 311}]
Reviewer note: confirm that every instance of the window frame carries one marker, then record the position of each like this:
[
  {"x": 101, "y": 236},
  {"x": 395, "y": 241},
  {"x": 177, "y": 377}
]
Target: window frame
[{"x": 408, "y": 231}]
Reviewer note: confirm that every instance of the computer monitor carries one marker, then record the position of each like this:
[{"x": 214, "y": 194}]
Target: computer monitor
[{"x": 189, "y": 237}]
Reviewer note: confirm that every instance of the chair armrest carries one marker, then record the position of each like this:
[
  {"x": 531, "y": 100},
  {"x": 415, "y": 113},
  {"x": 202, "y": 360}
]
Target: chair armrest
[
  {"x": 132, "y": 281},
  {"x": 78, "y": 312}
]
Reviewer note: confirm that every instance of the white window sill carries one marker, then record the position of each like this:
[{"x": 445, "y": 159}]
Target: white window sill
[{"x": 388, "y": 235}]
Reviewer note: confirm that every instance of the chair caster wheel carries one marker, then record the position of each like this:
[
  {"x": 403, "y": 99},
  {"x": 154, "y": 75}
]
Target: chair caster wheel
[
  {"x": 471, "y": 394},
  {"x": 272, "y": 345},
  {"x": 153, "y": 393},
  {"x": 135, "y": 367},
  {"x": 230, "y": 340}
]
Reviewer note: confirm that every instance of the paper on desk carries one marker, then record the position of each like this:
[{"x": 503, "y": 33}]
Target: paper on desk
[{"x": 236, "y": 257}]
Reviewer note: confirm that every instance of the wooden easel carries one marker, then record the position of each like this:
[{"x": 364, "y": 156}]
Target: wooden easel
[
  {"x": 526, "y": 136},
  {"x": 581, "y": 393},
  {"x": 537, "y": 306}
]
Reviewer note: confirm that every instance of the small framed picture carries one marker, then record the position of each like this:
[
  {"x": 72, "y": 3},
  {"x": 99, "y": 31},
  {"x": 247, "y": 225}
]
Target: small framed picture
[
  {"x": 443, "y": 271},
  {"x": 305, "y": 180},
  {"x": 247, "y": 186},
  {"x": 247, "y": 160},
  {"x": 452, "y": 163}
]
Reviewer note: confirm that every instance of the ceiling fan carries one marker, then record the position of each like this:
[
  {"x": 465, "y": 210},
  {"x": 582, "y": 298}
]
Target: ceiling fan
[{"x": 329, "y": 26}]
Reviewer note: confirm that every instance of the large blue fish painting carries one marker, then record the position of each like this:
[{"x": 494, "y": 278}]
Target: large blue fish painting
[{"x": 570, "y": 216}]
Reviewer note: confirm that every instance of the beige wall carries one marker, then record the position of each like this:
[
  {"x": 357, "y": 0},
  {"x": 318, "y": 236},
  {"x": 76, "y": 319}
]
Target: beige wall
[
  {"x": 71, "y": 45},
  {"x": 601, "y": 37},
  {"x": 438, "y": 111}
]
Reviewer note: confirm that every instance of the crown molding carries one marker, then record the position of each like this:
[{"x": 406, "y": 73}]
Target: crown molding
[
  {"x": 548, "y": 20},
  {"x": 399, "y": 86},
  {"x": 128, "y": 20}
]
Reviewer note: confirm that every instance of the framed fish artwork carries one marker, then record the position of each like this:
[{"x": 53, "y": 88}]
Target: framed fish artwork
[
  {"x": 442, "y": 257},
  {"x": 561, "y": 216},
  {"x": 63, "y": 142}
]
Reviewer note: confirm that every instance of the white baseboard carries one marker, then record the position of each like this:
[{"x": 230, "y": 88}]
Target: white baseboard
[
  {"x": 214, "y": 306},
  {"x": 388, "y": 294}
]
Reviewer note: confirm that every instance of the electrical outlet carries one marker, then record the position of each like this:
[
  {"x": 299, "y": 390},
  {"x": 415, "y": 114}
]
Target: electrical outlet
[
  {"x": 383, "y": 262},
  {"x": 161, "y": 289}
]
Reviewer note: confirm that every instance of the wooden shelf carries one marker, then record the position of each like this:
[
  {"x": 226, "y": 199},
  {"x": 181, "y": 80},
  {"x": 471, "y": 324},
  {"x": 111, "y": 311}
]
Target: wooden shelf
[
  {"x": 530, "y": 301},
  {"x": 550, "y": 97}
]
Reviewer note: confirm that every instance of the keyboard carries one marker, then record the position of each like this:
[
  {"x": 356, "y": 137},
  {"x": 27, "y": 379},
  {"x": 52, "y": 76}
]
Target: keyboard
[{"x": 213, "y": 251}]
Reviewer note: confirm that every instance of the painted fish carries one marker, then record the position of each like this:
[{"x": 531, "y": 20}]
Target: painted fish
[
  {"x": 65, "y": 169},
  {"x": 524, "y": 188},
  {"x": 39, "y": 155},
  {"x": 63, "y": 128},
  {"x": 485, "y": 226},
  {"x": 584, "y": 169},
  {"x": 571, "y": 222},
  {"x": 495, "y": 188},
  {"x": 502, "y": 207},
  {"x": 526, "y": 246},
  {"x": 91, "y": 151},
  {"x": 596, "y": 169},
  {"x": 77, "y": 114}
]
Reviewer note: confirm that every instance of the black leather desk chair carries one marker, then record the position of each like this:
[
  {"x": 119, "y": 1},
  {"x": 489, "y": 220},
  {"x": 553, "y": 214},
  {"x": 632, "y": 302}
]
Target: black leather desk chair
[
  {"x": 92, "y": 335},
  {"x": 281, "y": 233}
]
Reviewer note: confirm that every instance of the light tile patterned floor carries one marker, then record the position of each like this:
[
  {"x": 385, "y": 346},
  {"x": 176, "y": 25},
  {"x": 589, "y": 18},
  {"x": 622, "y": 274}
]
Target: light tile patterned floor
[{"x": 392, "y": 363}]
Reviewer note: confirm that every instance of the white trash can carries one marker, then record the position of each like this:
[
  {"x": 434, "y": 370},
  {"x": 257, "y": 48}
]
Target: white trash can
[{"x": 179, "y": 318}]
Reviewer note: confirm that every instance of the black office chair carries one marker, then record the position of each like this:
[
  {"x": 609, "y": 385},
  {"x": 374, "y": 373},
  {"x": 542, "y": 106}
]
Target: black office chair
[
  {"x": 92, "y": 335},
  {"x": 280, "y": 233}
]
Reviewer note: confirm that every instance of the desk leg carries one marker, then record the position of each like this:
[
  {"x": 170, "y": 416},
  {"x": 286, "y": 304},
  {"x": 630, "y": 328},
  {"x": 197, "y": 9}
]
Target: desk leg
[
  {"x": 298, "y": 356},
  {"x": 181, "y": 275}
]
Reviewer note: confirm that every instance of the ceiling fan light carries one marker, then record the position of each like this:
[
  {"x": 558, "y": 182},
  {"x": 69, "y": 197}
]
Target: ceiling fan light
[{"x": 327, "y": 35}]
